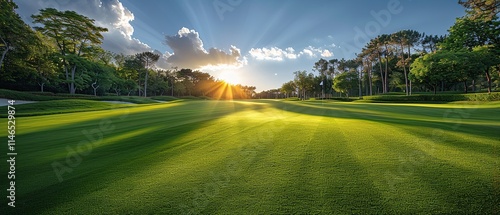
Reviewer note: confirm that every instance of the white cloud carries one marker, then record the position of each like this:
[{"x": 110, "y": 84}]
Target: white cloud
[
  {"x": 290, "y": 53},
  {"x": 273, "y": 54},
  {"x": 326, "y": 53},
  {"x": 190, "y": 53},
  {"x": 308, "y": 52},
  {"x": 278, "y": 54}
]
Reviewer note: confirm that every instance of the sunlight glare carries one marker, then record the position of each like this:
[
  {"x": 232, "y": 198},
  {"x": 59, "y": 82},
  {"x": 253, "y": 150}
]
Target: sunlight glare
[{"x": 230, "y": 77}]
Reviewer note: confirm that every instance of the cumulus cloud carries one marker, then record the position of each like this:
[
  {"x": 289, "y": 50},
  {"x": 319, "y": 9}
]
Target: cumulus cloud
[
  {"x": 326, "y": 53},
  {"x": 278, "y": 54},
  {"x": 311, "y": 51},
  {"x": 273, "y": 54},
  {"x": 163, "y": 60},
  {"x": 110, "y": 14},
  {"x": 308, "y": 51},
  {"x": 190, "y": 53}
]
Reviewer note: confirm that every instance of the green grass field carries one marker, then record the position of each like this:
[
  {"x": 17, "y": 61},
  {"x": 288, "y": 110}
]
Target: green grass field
[{"x": 259, "y": 157}]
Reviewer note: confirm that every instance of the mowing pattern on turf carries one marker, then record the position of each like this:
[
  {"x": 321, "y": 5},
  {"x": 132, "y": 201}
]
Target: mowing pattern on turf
[{"x": 260, "y": 157}]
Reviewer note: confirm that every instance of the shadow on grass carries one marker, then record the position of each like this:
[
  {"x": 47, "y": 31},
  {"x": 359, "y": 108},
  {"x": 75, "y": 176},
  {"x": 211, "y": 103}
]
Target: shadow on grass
[
  {"x": 42, "y": 190},
  {"x": 386, "y": 114}
]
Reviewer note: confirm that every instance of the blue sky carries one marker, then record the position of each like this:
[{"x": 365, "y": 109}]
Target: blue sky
[{"x": 262, "y": 42}]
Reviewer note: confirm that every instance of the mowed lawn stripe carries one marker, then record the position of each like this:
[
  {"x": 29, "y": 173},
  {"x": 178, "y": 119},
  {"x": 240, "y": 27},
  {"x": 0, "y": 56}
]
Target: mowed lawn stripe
[{"x": 265, "y": 156}]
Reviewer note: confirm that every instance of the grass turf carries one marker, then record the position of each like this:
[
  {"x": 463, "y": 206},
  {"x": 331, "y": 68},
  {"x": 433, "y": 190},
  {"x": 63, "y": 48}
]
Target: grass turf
[
  {"x": 61, "y": 106},
  {"x": 260, "y": 157}
]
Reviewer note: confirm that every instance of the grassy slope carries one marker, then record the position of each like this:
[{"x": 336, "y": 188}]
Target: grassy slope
[
  {"x": 18, "y": 95},
  {"x": 263, "y": 157},
  {"x": 61, "y": 106}
]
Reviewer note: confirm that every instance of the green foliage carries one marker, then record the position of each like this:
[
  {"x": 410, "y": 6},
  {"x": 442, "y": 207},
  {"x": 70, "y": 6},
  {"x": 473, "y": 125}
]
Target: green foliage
[
  {"x": 164, "y": 98},
  {"x": 304, "y": 82},
  {"x": 481, "y": 9},
  {"x": 131, "y": 99},
  {"x": 15, "y": 35},
  {"x": 345, "y": 82},
  {"x": 467, "y": 34},
  {"x": 75, "y": 35},
  {"x": 16, "y": 95},
  {"x": 476, "y": 97},
  {"x": 288, "y": 88}
]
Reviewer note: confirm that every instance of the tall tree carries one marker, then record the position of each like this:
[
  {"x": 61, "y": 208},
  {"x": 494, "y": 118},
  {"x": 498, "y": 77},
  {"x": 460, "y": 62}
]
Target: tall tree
[
  {"x": 481, "y": 9},
  {"x": 14, "y": 33},
  {"x": 147, "y": 59},
  {"x": 367, "y": 60},
  {"x": 41, "y": 59},
  {"x": 304, "y": 81},
  {"x": 487, "y": 58},
  {"x": 321, "y": 67},
  {"x": 288, "y": 88},
  {"x": 345, "y": 82},
  {"x": 406, "y": 39},
  {"x": 74, "y": 35},
  {"x": 430, "y": 43}
]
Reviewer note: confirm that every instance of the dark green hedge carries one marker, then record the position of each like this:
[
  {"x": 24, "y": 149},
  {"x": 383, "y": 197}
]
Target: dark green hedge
[{"x": 435, "y": 98}]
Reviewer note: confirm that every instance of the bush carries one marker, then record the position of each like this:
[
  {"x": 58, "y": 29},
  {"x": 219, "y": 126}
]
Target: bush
[
  {"x": 131, "y": 99},
  {"x": 16, "y": 95},
  {"x": 42, "y": 93},
  {"x": 435, "y": 98},
  {"x": 67, "y": 95},
  {"x": 164, "y": 98}
]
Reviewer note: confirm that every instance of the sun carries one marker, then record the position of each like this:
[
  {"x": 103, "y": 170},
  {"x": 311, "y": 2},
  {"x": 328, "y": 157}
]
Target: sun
[{"x": 229, "y": 77}]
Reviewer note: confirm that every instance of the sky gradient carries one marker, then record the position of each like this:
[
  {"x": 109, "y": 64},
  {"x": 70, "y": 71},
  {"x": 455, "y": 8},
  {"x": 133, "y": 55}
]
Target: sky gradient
[{"x": 262, "y": 42}]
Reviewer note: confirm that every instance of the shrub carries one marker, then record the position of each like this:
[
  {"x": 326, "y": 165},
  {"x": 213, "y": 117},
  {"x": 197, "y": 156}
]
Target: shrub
[
  {"x": 435, "y": 98},
  {"x": 16, "y": 95},
  {"x": 42, "y": 93},
  {"x": 164, "y": 98},
  {"x": 67, "y": 95}
]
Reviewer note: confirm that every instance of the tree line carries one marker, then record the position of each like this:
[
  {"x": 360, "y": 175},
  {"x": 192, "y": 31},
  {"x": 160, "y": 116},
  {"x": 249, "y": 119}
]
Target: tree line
[
  {"x": 468, "y": 58},
  {"x": 62, "y": 54}
]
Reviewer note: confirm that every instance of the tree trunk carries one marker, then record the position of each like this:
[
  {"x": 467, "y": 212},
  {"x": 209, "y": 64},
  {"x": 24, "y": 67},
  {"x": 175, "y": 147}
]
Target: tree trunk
[
  {"x": 41, "y": 87},
  {"x": 370, "y": 80},
  {"x": 72, "y": 87},
  {"x": 67, "y": 78},
  {"x": 172, "y": 88},
  {"x": 386, "y": 77},
  {"x": 473, "y": 85},
  {"x": 404, "y": 68},
  {"x": 381, "y": 72},
  {"x": 3, "y": 55},
  {"x": 95, "y": 88},
  {"x": 360, "y": 84},
  {"x": 465, "y": 86},
  {"x": 410, "y": 87},
  {"x": 146, "y": 84},
  {"x": 488, "y": 77}
]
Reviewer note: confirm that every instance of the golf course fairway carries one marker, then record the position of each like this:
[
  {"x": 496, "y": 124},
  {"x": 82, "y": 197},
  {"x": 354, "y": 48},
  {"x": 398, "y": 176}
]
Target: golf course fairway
[{"x": 259, "y": 157}]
